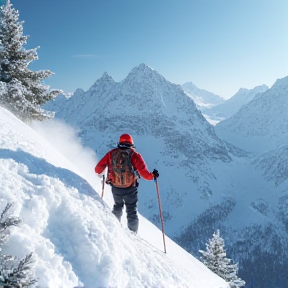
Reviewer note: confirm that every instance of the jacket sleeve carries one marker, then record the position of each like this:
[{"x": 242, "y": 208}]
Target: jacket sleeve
[
  {"x": 102, "y": 164},
  {"x": 139, "y": 165}
]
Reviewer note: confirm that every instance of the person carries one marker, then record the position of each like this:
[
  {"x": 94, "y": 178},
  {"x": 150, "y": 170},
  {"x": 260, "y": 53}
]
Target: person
[{"x": 125, "y": 166}]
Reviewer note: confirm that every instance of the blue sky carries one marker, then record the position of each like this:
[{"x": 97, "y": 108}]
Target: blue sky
[{"x": 219, "y": 45}]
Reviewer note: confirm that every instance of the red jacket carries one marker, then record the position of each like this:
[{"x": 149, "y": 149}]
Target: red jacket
[{"x": 136, "y": 161}]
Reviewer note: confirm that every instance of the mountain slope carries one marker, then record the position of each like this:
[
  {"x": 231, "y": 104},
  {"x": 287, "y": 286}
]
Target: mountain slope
[
  {"x": 274, "y": 164},
  {"x": 201, "y": 97},
  {"x": 232, "y": 105},
  {"x": 72, "y": 232},
  {"x": 262, "y": 124}
]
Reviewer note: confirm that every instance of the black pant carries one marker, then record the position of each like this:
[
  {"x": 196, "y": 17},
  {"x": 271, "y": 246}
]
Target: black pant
[{"x": 129, "y": 197}]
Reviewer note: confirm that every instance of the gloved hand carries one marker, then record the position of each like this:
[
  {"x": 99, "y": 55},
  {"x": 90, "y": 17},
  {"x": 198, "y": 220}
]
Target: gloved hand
[{"x": 155, "y": 173}]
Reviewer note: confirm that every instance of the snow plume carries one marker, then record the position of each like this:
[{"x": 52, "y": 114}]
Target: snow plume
[{"x": 65, "y": 139}]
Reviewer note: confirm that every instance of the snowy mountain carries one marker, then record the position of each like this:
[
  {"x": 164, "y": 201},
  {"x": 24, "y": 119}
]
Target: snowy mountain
[
  {"x": 201, "y": 97},
  {"x": 154, "y": 111},
  {"x": 75, "y": 239},
  {"x": 262, "y": 124},
  {"x": 144, "y": 103},
  {"x": 232, "y": 105},
  {"x": 205, "y": 182}
]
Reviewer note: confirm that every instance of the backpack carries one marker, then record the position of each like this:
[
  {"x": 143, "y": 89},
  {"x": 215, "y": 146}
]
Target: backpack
[{"x": 124, "y": 175}]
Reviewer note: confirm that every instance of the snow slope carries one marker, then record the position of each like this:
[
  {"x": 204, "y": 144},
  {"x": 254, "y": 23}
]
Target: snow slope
[
  {"x": 232, "y": 105},
  {"x": 74, "y": 237},
  {"x": 262, "y": 124},
  {"x": 201, "y": 97}
]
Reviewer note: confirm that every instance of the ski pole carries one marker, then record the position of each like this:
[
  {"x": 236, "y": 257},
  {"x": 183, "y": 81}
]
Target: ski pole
[
  {"x": 160, "y": 212},
  {"x": 103, "y": 184}
]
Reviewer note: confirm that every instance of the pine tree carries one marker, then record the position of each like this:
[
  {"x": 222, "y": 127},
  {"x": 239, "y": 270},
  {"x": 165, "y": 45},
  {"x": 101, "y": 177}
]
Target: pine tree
[
  {"x": 215, "y": 259},
  {"x": 13, "y": 274},
  {"x": 23, "y": 90}
]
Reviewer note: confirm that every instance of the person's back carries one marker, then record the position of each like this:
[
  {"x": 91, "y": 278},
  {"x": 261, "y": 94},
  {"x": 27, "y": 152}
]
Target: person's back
[{"x": 125, "y": 166}]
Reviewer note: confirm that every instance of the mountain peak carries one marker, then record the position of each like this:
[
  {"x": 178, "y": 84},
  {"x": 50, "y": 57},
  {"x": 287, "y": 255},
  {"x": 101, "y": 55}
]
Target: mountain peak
[
  {"x": 144, "y": 74},
  {"x": 143, "y": 67},
  {"x": 78, "y": 93},
  {"x": 106, "y": 76},
  {"x": 105, "y": 79},
  {"x": 189, "y": 86}
]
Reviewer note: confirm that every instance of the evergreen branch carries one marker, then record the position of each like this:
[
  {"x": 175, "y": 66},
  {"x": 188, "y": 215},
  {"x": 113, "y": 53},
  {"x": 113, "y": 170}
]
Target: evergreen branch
[{"x": 6, "y": 220}]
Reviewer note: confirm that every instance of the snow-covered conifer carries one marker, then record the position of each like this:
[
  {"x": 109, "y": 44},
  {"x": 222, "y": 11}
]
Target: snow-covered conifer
[
  {"x": 215, "y": 259},
  {"x": 26, "y": 90},
  {"x": 13, "y": 274}
]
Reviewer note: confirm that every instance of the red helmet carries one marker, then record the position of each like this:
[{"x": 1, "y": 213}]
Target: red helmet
[{"x": 126, "y": 138}]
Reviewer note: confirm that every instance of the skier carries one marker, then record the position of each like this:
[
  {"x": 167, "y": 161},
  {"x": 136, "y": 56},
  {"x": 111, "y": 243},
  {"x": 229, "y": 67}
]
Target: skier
[{"x": 125, "y": 166}]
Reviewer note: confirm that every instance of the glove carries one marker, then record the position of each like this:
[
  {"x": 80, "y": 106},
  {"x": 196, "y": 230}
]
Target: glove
[{"x": 155, "y": 173}]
